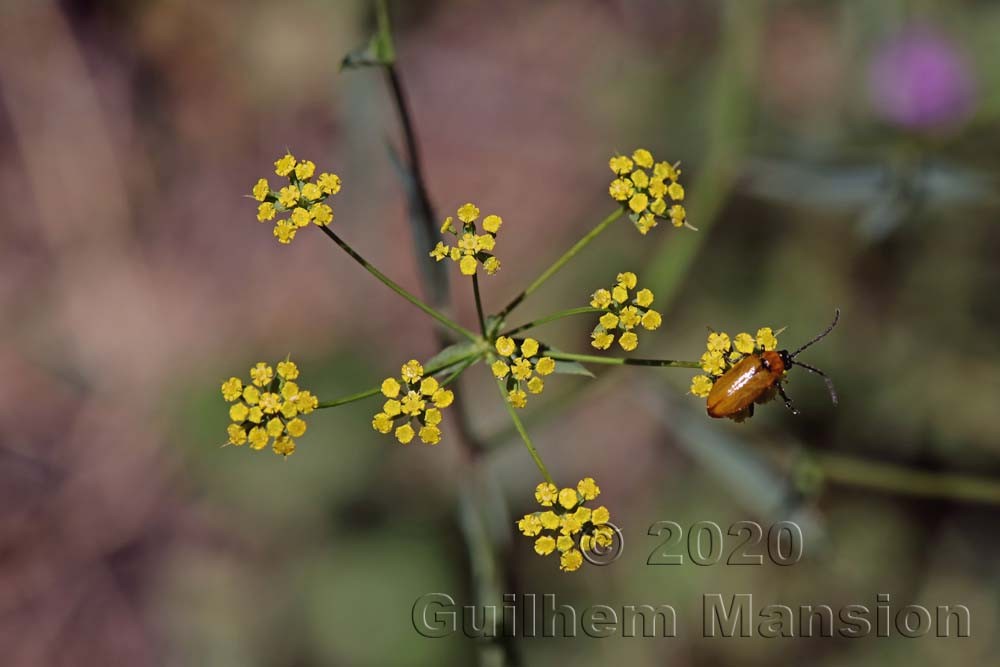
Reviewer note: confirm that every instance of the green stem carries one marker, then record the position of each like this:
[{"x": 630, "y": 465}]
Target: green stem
[
  {"x": 458, "y": 371},
  {"x": 463, "y": 362},
  {"x": 583, "y": 310},
  {"x": 898, "y": 479},
  {"x": 454, "y": 326},
  {"x": 479, "y": 303},
  {"x": 622, "y": 361},
  {"x": 524, "y": 434},
  {"x": 559, "y": 263}
]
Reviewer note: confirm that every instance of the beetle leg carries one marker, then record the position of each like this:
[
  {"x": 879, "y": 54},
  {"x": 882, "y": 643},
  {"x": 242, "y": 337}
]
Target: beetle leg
[{"x": 788, "y": 401}]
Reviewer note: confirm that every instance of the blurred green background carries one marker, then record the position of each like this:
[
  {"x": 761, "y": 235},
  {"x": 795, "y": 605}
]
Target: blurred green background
[{"x": 835, "y": 154}]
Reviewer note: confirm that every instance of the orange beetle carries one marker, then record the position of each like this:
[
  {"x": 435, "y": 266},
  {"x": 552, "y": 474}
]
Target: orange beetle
[{"x": 738, "y": 388}]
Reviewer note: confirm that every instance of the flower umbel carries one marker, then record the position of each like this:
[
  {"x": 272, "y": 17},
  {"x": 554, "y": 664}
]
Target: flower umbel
[
  {"x": 303, "y": 198},
  {"x": 521, "y": 367},
  {"x": 471, "y": 249},
  {"x": 566, "y": 524},
  {"x": 413, "y": 407},
  {"x": 645, "y": 188},
  {"x": 623, "y": 313},
  {"x": 268, "y": 408},
  {"x": 723, "y": 352}
]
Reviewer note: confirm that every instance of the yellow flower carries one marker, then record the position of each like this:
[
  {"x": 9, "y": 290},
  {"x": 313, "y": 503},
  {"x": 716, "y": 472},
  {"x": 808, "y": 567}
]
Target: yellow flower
[
  {"x": 237, "y": 436},
  {"x": 718, "y": 341},
  {"x": 288, "y": 196},
  {"x": 643, "y": 158},
  {"x": 638, "y": 202},
  {"x": 416, "y": 394},
  {"x": 535, "y": 385},
  {"x": 430, "y": 435},
  {"x": 713, "y": 362},
  {"x": 440, "y": 251},
  {"x": 600, "y": 299},
  {"x": 284, "y": 231},
  {"x": 232, "y": 388},
  {"x": 566, "y": 525},
  {"x": 545, "y": 366},
  {"x": 529, "y": 347},
  {"x": 530, "y": 525},
  {"x": 282, "y": 407},
  {"x": 701, "y": 385},
  {"x": 261, "y": 190},
  {"x": 568, "y": 498},
  {"x": 283, "y": 166},
  {"x": 646, "y": 195},
  {"x": 468, "y": 213},
  {"x": 304, "y": 170},
  {"x": 743, "y": 342},
  {"x": 329, "y": 183},
  {"x": 766, "y": 339},
  {"x": 500, "y": 369},
  {"x": 545, "y": 545},
  {"x": 266, "y": 211},
  {"x": 312, "y": 192},
  {"x": 492, "y": 265},
  {"x": 628, "y": 280},
  {"x": 382, "y": 422},
  {"x": 321, "y": 214},
  {"x": 621, "y": 189},
  {"x": 640, "y": 178},
  {"x": 300, "y": 217},
  {"x": 261, "y": 374},
  {"x": 288, "y": 370},
  {"x": 622, "y": 313},
  {"x": 546, "y": 494},
  {"x": 588, "y": 488},
  {"x": 442, "y": 398},
  {"x": 491, "y": 223},
  {"x": 601, "y": 340},
  {"x": 468, "y": 265},
  {"x": 404, "y": 434},
  {"x": 505, "y": 346},
  {"x": 651, "y": 320},
  {"x": 620, "y": 164},
  {"x": 517, "y": 398}
]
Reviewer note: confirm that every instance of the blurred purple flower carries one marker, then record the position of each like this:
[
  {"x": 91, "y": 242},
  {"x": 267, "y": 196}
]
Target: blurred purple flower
[{"x": 919, "y": 79}]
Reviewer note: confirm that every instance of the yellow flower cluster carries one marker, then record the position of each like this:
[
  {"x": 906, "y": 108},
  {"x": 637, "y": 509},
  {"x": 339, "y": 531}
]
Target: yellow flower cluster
[
  {"x": 723, "y": 352},
  {"x": 566, "y": 525},
  {"x": 519, "y": 366},
  {"x": 408, "y": 403},
  {"x": 268, "y": 407},
  {"x": 646, "y": 193},
  {"x": 471, "y": 248},
  {"x": 303, "y": 198},
  {"x": 623, "y": 313}
]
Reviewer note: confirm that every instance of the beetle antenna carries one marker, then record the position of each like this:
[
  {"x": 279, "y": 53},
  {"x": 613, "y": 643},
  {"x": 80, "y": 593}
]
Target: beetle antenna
[
  {"x": 836, "y": 318},
  {"x": 827, "y": 380}
]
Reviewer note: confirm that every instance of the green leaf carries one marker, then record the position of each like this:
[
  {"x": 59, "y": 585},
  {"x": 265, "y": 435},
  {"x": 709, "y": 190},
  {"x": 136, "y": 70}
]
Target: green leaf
[
  {"x": 371, "y": 54},
  {"x": 572, "y": 368},
  {"x": 452, "y": 354}
]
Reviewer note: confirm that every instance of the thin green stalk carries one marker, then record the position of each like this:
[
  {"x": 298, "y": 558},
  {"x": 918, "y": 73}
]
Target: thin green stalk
[
  {"x": 458, "y": 371},
  {"x": 463, "y": 362},
  {"x": 559, "y": 263},
  {"x": 524, "y": 434},
  {"x": 479, "y": 303},
  {"x": 623, "y": 361},
  {"x": 898, "y": 479},
  {"x": 454, "y": 326},
  {"x": 583, "y": 310}
]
